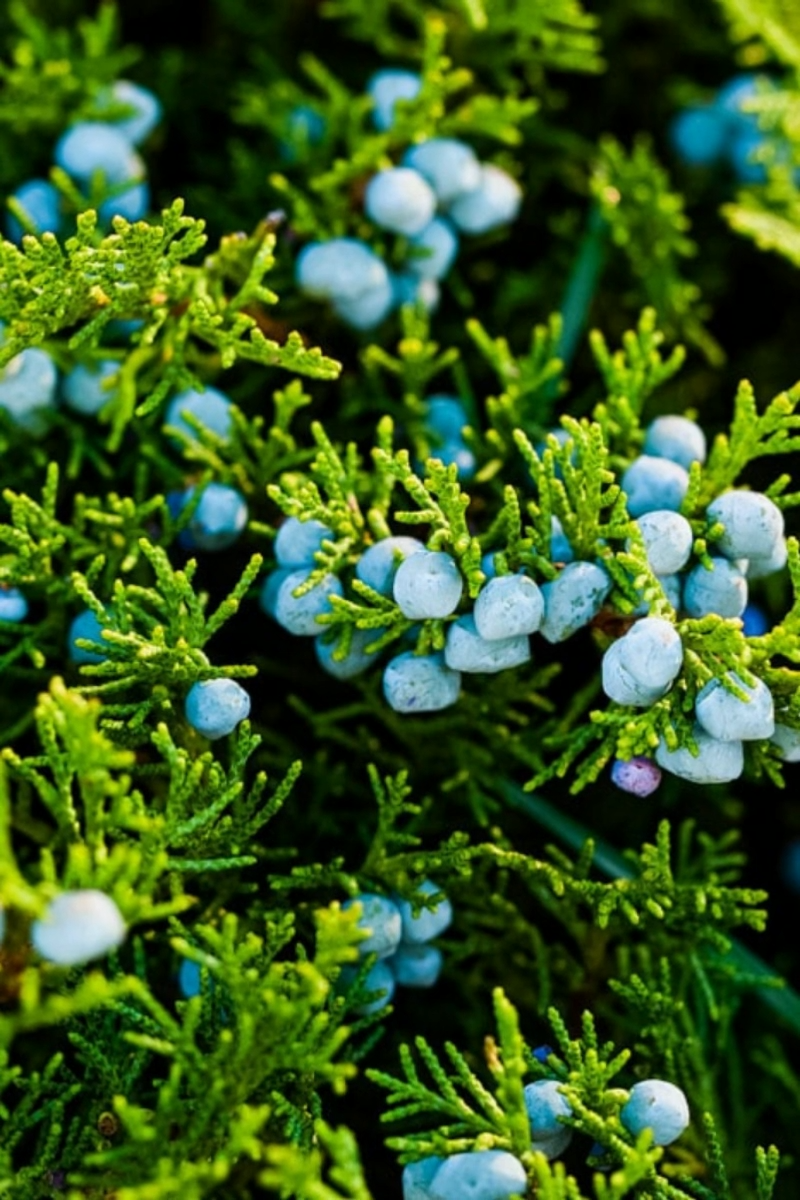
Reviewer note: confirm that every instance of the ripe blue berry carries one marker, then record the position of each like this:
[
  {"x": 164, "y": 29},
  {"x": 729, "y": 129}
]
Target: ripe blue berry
[
  {"x": 427, "y": 584},
  {"x": 654, "y": 483},
  {"x": 298, "y": 541},
  {"x": 759, "y": 566},
  {"x": 400, "y": 200},
  {"x": 378, "y": 979},
  {"x": 465, "y": 649},
  {"x": 385, "y": 88},
  {"x": 42, "y": 204},
  {"x": 573, "y": 599},
  {"x": 744, "y": 154},
  {"x": 85, "y": 625},
  {"x": 754, "y": 621},
  {"x": 730, "y": 719},
  {"x": 84, "y": 389},
  {"x": 699, "y": 136},
  {"x": 753, "y": 524},
  {"x": 545, "y": 1105},
  {"x": 652, "y": 652},
  {"x": 378, "y": 564},
  {"x": 219, "y": 518},
  {"x": 298, "y": 614},
  {"x": 93, "y": 146},
  {"x": 28, "y": 390},
  {"x": 418, "y": 1176},
  {"x": 13, "y": 605},
  {"x": 355, "y": 662},
  {"x": 133, "y": 203},
  {"x": 146, "y": 112},
  {"x": 621, "y": 686},
  {"x": 380, "y": 917},
  {"x": 210, "y": 408},
  {"x": 415, "y": 683},
  {"x": 479, "y": 1175},
  {"x": 216, "y": 706},
  {"x": 433, "y": 250},
  {"x": 270, "y": 589},
  {"x": 78, "y": 927},
  {"x": 668, "y": 540},
  {"x": 715, "y": 762},
  {"x": 677, "y": 438},
  {"x": 786, "y": 739},
  {"x": 342, "y": 269},
  {"x": 189, "y": 978},
  {"x": 450, "y": 167},
  {"x": 416, "y": 966},
  {"x": 560, "y": 549},
  {"x": 552, "y": 1147},
  {"x": 494, "y": 202},
  {"x": 508, "y": 606},
  {"x": 369, "y": 309},
  {"x": 414, "y": 289},
  {"x": 721, "y": 590},
  {"x": 429, "y": 922},
  {"x": 639, "y": 776},
  {"x": 657, "y": 1105}
]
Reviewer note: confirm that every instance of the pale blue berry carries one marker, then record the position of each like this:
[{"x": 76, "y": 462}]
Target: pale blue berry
[
  {"x": 560, "y": 549},
  {"x": 416, "y": 966},
  {"x": 380, "y": 917},
  {"x": 638, "y": 776},
  {"x": 545, "y": 1105},
  {"x": 146, "y": 112},
  {"x": 84, "y": 389},
  {"x": 385, "y": 88},
  {"x": 427, "y": 585},
  {"x": 734, "y": 94},
  {"x": 93, "y": 146},
  {"x": 368, "y": 309},
  {"x": 786, "y": 739},
  {"x": 77, "y": 927},
  {"x": 378, "y": 565},
  {"x": 699, "y": 136},
  {"x": 465, "y": 649},
  {"x": 553, "y": 1147},
  {"x": 652, "y": 652},
  {"x": 753, "y": 524},
  {"x": 415, "y": 683},
  {"x": 342, "y": 269},
  {"x": 724, "y": 716},
  {"x": 85, "y": 626},
  {"x": 451, "y": 167},
  {"x": 433, "y": 251},
  {"x": 489, "y": 565},
  {"x": 508, "y": 606},
  {"x": 715, "y": 762},
  {"x": 494, "y": 202},
  {"x": 400, "y": 200},
  {"x": 573, "y": 599},
  {"x": 189, "y": 978},
  {"x": 413, "y": 289},
  {"x": 42, "y": 204},
  {"x": 621, "y": 686},
  {"x": 28, "y": 390},
  {"x": 657, "y": 1105},
  {"x": 133, "y": 204},
  {"x": 445, "y": 416},
  {"x": 677, "y": 438},
  {"x": 219, "y": 518},
  {"x": 418, "y": 1176},
  {"x": 13, "y": 605},
  {"x": 378, "y": 979},
  {"x": 297, "y": 542},
  {"x": 759, "y": 566},
  {"x": 215, "y": 707},
  {"x": 745, "y": 158},
  {"x": 429, "y": 922},
  {"x": 355, "y": 662},
  {"x": 209, "y": 408},
  {"x": 271, "y": 587},
  {"x": 668, "y": 540},
  {"x": 458, "y": 453},
  {"x": 654, "y": 483},
  {"x": 479, "y": 1175},
  {"x": 721, "y": 590},
  {"x": 298, "y": 614}
]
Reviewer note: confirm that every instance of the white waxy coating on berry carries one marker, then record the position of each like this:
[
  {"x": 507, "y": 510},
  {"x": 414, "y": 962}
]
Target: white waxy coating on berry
[
  {"x": 417, "y": 1177},
  {"x": 721, "y": 590},
  {"x": 668, "y": 540},
  {"x": 759, "y": 566},
  {"x": 85, "y": 625},
  {"x": 451, "y": 167},
  {"x": 146, "y": 110},
  {"x": 298, "y": 541},
  {"x": 414, "y": 683},
  {"x": 545, "y": 1104},
  {"x": 620, "y": 685},
  {"x": 219, "y": 518},
  {"x": 428, "y": 585},
  {"x": 341, "y": 269},
  {"x": 716, "y": 762},
  {"x": 725, "y": 716},
  {"x": 400, "y": 200},
  {"x": 355, "y": 662},
  {"x": 209, "y": 408},
  {"x": 553, "y": 1147},
  {"x": 42, "y": 204},
  {"x": 380, "y": 916},
  {"x": 378, "y": 564},
  {"x": 677, "y": 438},
  {"x": 653, "y": 652},
  {"x": 416, "y": 966},
  {"x": 28, "y": 390},
  {"x": 84, "y": 390},
  {"x": 93, "y": 146},
  {"x": 298, "y": 614},
  {"x": 215, "y": 707},
  {"x": 78, "y": 927},
  {"x": 753, "y": 524},
  {"x": 494, "y": 202},
  {"x": 13, "y": 605},
  {"x": 573, "y": 599},
  {"x": 787, "y": 740},
  {"x": 465, "y": 650},
  {"x": 385, "y": 88},
  {"x": 508, "y": 606},
  {"x": 379, "y": 978},
  {"x": 429, "y": 922},
  {"x": 479, "y": 1175},
  {"x": 654, "y": 483},
  {"x": 433, "y": 251},
  {"x": 560, "y": 549},
  {"x": 270, "y": 588},
  {"x": 657, "y": 1105},
  {"x": 369, "y": 309}
]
